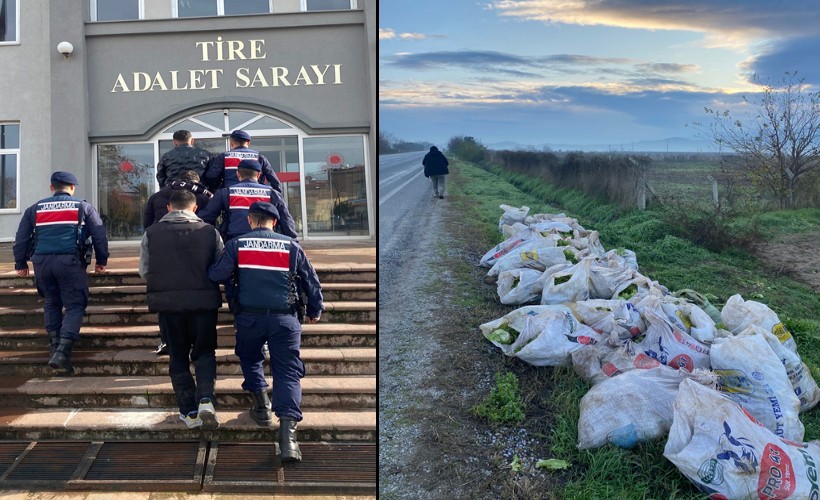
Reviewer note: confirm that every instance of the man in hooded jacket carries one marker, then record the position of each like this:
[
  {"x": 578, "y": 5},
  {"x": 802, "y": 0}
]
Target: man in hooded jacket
[{"x": 435, "y": 168}]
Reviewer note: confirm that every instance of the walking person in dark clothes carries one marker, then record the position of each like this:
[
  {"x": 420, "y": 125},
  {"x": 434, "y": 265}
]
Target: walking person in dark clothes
[
  {"x": 54, "y": 234},
  {"x": 157, "y": 207},
  {"x": 233, "y": 203},
  {"x": 268, "y": 267},
  {"x": 221, "y": 171},
  {"x": 435, "y": 168},
  {"x": 175, "y": 254}
]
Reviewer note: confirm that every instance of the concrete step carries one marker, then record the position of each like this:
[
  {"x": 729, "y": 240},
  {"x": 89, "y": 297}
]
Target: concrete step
[
  {"x": 162, "y": 424},
  {"x": 135, "y": 294},
  {"x": 143, "y": 362},
  {"x": 147, "y": 336},
  {"x": 328, "y": 392},
  {"x": 328, "y": 273},
  {"x": 13, "y": 318}
]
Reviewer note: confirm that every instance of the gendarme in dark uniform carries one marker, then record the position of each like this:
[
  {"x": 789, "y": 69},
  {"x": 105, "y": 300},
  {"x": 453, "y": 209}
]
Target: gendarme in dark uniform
[
  {"x": 221, "y": 170},
  {"x": 265, "y": 264},
  {"x": 58, "y": 228},
  {"x": 233, "y": 203}
]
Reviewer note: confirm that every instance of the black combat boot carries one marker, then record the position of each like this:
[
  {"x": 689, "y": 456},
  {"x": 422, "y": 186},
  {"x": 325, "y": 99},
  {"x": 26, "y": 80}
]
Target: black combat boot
[
  {"x": 61, "y": 360},
  {"x": 260, "y": 412},
  {"x": 54, "y": 338},
  {"x": 288, "y": 446}
]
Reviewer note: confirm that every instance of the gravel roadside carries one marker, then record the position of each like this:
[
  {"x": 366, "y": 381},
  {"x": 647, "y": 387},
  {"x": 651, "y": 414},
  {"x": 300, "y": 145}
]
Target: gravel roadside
[{"x": 434, "y": 366}]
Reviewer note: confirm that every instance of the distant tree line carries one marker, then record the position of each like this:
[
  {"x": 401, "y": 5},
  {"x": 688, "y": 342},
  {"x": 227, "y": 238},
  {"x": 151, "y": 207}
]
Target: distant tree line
[
  {"x": 618, "y": 178},
  {"x": 388, "y": 144}
]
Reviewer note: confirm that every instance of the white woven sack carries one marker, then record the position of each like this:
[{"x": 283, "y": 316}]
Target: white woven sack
[
  {"x": 751, "y": 374},
  {"x": 804, "y": 385},
  {"x": 671, "y": 346},
  {"x": 512, "y": 215},
  {"x": 726, "y": 454},
  {"x": 619, "y": 318},
  {"x": 600, "y": 362},
  {"x": 738, "y": 314},
  {"x": 630, "y": 408},
  {"x": 534, "y": 254},
  {"x": 491, "y": 257},
  {"x": 573, "y": 290},
  {"x": 519, "y": 286}
]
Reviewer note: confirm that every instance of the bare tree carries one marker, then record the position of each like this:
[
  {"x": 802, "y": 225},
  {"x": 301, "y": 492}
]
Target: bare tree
[
  {"x": 779, "y": 147},
  {"x": 386, "y": 142}
]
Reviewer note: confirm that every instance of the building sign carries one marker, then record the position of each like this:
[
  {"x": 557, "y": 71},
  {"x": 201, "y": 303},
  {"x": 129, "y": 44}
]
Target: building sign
[{"x": 255, "y": 75}]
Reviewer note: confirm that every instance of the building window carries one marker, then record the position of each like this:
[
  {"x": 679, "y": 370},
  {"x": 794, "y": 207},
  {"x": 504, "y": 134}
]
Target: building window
[
  {"x": 335, "y": 186},
  {"x": 197, "y": 8},
  {"x": 9, "y": 160},
  {"x": 315, "y": 5},
  {"x": 126, "y": 180},
  {"x": 239, "y": 7},
  {"x": 116, "y": 10},
  {"x": 9, "y": 22}
]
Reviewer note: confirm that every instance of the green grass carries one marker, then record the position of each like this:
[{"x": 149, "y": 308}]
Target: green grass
[
  {"x": 503, "y": 405},
  {"x": 676, "y": 263}
]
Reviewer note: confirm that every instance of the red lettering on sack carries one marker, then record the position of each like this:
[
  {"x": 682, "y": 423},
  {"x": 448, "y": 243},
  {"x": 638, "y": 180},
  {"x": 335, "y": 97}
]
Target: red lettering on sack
[
  {"x": 776, "y": 478},
  {"x": 683, "y": 361},
  {"x": 644, "y": 362},
  {"x": 610, "y": 370}
]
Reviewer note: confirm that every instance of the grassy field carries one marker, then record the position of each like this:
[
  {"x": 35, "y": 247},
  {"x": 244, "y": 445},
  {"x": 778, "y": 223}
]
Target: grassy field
[{"x": 675, "y": 262}]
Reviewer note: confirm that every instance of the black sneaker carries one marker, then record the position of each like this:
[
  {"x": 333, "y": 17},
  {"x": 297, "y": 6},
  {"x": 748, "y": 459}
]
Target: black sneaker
[{"x": 162, "y": 349}]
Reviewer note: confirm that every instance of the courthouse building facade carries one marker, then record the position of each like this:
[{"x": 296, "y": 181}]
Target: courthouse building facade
[{"x": 97, "y": 87}]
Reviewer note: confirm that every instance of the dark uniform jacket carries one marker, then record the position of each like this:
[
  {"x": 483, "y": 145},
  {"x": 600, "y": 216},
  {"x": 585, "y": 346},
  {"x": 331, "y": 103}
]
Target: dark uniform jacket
[
  {"x": 233, "y": 203},
  {"x": 181, "y": 158},
  {"x": 435, "y": 163},
  {"x": 61, "y": 223},
  {"x": 174, "y": 258},
  {"x": 157, "y": 205},
  {"x": 221, "y": 171},
  {"x": 263, "y": 262}
]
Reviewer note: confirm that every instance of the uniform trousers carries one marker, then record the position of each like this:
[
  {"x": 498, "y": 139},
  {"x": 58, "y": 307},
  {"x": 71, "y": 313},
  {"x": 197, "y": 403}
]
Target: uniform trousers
[
  {"x": 62, "y": 281},
  {"x": 191, "y": 335},
  {"x": 283, "y": 333}
]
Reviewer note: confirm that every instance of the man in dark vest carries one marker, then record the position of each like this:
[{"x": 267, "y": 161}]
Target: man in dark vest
[
  {"x": 233, "y": 203},
  {"x": 174, "y": 258},
  {"x": 221, "y": 170},
  {"x": 54, "y": 233},
  {"x": 268, "y": 268}
]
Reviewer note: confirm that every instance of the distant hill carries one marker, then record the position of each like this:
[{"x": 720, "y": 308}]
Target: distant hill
[{"x": 671, "y": 144}]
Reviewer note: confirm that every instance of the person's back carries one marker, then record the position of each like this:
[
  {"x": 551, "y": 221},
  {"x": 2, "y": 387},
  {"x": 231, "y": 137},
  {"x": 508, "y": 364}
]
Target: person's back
[
  {"x": 175, "y": 254},
  {"x": 435, "y": 168},
  {"x": 157, "y": 205},
  {"x": 222, "y": 168},
  {"x": 185, "y": 156},
  {"x": 234, "y": 201}
]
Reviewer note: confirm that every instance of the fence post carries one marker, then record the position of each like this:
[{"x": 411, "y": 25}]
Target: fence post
[
  {"x": 715, "y": 199},
  {"x": 641, "y": 184}
]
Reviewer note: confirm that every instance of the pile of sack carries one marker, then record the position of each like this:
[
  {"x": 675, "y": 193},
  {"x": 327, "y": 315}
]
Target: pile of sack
[{"x": 729, "y": 383}]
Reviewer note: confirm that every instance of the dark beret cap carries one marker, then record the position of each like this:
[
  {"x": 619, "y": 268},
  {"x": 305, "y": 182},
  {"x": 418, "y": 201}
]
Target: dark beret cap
[
  {"x": 64, "y": 178},
  {"x": 251, "y": 164},
  {"x": 264, "y": 208},
  {"x": 241, "y": 135}
]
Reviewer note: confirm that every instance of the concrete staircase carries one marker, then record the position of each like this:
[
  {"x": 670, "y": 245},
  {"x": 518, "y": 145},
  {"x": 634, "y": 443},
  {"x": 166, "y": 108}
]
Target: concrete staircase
[{"x": 121, "y": 390}]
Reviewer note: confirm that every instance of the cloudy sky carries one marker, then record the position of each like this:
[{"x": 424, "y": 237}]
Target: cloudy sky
[{"x": 579, "y": 72}]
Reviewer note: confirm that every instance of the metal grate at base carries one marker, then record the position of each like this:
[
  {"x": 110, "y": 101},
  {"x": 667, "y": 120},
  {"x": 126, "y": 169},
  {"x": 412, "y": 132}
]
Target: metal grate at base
[
  {"x": 48, "y": 462},
  {"x": 9, "y": 453},
  {"x": 349, "y": 468},
  {"x": 145, "y": 466}
]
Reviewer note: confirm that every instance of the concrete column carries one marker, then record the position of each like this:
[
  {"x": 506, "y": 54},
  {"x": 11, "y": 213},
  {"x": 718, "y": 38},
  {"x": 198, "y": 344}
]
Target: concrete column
[{"x": 69, "y": 145}]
